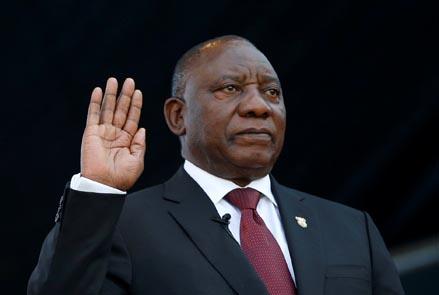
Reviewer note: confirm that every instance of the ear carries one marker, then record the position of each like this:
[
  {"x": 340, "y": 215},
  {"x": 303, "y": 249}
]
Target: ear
[{"x": 174, "y": 109}]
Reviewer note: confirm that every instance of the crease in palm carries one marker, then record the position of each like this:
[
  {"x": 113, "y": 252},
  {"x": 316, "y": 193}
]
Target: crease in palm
[{"x": 113, "y": 146}]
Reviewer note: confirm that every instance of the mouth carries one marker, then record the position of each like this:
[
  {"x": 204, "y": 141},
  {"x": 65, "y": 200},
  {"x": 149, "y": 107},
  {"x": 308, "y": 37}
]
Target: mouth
[{"x": 254, "y": 135}]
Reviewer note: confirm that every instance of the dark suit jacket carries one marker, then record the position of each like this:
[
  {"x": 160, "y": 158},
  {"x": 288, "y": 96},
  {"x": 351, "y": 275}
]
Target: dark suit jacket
[{"x": 163, "y": 240}]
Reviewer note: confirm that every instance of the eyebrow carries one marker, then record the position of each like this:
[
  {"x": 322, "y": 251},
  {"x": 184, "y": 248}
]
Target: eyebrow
[
  {"x": 240, "y": 78},
  {"x": 268, "y": 78}
]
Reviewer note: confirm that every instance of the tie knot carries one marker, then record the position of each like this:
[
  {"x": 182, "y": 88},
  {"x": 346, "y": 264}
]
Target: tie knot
[{"x": 244, "y": 198}]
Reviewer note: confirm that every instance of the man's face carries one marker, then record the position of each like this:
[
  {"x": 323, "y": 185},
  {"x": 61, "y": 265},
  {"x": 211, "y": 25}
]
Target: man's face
[{"x": 235, "y": 115}]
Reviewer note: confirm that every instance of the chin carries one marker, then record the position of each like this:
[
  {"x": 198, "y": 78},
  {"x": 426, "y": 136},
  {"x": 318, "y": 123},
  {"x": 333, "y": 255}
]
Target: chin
[{"x": 254, "y": 161}]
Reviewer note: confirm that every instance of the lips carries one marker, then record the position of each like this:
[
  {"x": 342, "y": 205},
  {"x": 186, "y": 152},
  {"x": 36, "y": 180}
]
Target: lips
[{"x": 254, "y": 135}]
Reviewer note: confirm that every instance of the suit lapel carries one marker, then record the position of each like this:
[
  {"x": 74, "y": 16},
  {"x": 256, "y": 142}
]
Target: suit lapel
[
  {"x": 304, "y": 243},
  {"x": 193, "y": 211}
]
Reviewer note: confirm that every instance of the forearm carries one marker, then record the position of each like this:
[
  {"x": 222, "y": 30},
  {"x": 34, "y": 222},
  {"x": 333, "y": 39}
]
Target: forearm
[{"x": 75, "y": 254}]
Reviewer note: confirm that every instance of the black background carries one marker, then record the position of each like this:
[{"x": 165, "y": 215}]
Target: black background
[{"x": 360, "y": 79}]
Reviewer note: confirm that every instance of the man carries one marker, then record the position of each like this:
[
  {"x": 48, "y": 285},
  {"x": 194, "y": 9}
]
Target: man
[{"x": 221, "y": 224}]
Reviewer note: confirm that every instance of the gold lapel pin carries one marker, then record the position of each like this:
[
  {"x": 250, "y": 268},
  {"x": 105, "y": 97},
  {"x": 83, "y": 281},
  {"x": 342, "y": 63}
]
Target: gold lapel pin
[{"x": 301, "y": 221}]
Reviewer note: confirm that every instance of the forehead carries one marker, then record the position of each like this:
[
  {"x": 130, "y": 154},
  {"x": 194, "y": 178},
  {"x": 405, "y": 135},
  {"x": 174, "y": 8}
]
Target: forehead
[{"x": 237, "y": 59}]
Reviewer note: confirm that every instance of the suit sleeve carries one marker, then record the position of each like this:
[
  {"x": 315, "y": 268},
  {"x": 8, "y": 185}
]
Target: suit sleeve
[
  {"x": 83, "y": 253},
  {"x": 385, "y": 277}
]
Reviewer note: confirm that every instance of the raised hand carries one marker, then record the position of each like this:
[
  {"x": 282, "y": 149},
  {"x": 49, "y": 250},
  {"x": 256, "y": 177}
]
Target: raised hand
[{"x": 113, "y": 147}]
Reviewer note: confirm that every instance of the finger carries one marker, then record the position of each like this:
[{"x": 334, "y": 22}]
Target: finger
[
  {"x": 94, "y": 108},
  {"x": 138, "y": 145},
  {"x": 123, "y": 103},
  {"x": 107, "y": 109},
  {"x": 132, "y": 121}
]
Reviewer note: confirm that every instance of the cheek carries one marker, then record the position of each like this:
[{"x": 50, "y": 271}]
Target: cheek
[
  {"x": 280, "y": 117},
  {"x": 206, "y": 126},
  {"x": 279, "y": 120}
]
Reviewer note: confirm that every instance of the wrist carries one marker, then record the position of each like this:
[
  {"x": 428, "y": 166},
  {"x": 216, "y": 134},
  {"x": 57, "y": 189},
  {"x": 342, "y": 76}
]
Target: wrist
[{"x": 80, "y": 183}]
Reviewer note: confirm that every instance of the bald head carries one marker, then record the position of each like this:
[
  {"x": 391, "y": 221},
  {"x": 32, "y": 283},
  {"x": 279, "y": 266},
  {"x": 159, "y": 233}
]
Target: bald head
[{"x": 190, "y": 58}]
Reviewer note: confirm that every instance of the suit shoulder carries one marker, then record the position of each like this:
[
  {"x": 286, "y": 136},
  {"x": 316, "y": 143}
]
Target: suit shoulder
[
  {"x": 324, "y": 205},
  {"x": 147, "y": 196},
  {"x": 145, "y": 203},
  {"x": 152, "y": 190}
]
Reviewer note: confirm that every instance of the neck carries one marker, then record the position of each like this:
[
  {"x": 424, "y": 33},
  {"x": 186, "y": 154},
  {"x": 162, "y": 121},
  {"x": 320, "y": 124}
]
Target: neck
[
  {"x": 241, "y": 181},
  {"x": 238, "y": 175}
]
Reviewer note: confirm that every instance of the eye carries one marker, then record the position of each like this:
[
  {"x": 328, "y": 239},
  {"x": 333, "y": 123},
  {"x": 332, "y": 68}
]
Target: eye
[
  {"x": 230, "y": 89},
  {"x": 227, "y": 91},
  {"x": 272, "y": 93}
]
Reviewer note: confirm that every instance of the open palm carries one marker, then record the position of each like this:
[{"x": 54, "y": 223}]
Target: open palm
[{"x": 113, "y": 147}]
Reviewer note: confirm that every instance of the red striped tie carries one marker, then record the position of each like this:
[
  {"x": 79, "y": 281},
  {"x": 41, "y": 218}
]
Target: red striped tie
[{"x": 260, "y": 246}]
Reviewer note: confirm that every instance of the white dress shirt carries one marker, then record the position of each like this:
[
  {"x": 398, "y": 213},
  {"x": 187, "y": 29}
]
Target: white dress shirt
[{"x": 216, "y": 189}]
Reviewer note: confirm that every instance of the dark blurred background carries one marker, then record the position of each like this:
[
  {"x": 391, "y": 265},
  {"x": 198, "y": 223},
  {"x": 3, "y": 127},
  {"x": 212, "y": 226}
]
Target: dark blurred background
[{"x": 361, "y": 83}]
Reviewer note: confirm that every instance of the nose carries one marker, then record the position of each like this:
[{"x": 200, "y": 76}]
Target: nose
[{"x": 254, "y": 105}]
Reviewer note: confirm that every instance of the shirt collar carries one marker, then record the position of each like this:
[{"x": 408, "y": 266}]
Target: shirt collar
[{"x": 217, "y": 188}]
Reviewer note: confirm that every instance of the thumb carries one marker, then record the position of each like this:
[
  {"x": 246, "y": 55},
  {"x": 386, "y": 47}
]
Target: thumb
[{"x": 138, "y": 145}]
